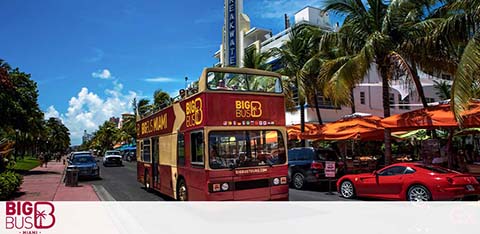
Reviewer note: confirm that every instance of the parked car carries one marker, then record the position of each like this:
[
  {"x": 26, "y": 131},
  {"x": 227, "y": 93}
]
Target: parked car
[
  {"x": 411, "y": 182},
  {"x": 72, "y": 155},
  {"x": 307, "y": 165},
  {"x": 112, "y": 157},
  {"x": 130, "y": 156},
  {"x": 87, "y": 165}
]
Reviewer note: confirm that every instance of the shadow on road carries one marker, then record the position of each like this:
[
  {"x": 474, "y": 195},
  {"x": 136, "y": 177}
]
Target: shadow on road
[{"x": 164, "y": 197}]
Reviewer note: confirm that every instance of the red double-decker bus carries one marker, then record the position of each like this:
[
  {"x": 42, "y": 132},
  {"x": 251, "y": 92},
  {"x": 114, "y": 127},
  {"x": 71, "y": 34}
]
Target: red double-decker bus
[{"x": 226, "y": 140}]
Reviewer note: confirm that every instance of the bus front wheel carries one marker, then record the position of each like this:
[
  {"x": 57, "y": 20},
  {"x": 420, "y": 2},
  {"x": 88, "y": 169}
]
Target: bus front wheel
[{"x": 182, "y": 193}]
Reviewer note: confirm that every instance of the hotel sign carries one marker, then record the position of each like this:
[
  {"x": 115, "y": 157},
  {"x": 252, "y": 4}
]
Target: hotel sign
[{"x": 231, "y": 30}]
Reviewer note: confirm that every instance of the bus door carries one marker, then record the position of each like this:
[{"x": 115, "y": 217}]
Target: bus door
[
  {"x": 155, "y": 167},
  {"x": 197, "y": 178}
]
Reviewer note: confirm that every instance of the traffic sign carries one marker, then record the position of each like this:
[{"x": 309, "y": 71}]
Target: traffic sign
[{"x": 329, "y": 169}]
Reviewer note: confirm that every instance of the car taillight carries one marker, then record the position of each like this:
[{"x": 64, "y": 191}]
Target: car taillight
[
  {"x": 316, "y": 165},
  {"x": 449, "y": 180}
]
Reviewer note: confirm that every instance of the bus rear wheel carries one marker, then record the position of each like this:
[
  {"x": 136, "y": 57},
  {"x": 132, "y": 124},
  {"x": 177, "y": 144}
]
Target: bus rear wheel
[{"x": 182, "y": 192}]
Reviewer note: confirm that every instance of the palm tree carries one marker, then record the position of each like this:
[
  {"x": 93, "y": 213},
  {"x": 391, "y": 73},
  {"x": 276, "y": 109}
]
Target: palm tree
[
  {"x": 254, "y": 59},
  {"x": 141, "y": 107},
  {"x": 372, "y": 33},
  {"x": 461, "y": 28},
  {"x": 296, "y": 59},
  {"x": 443, "y": 89},
  {"x": 161, "y": 99}
]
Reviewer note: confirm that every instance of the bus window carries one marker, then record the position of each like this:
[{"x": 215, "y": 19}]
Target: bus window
[
  {"x": 229, "y": 149},
  {"x": 146, "y": 151},
  {"x": 197, "y": 148},
  {"x": 181, "y": 149},
  {"x": 265, "y": 84},
  {"x": 243, "y": 82}
]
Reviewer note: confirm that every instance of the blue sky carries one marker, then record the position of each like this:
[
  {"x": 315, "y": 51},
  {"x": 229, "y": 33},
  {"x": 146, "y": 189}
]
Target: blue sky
[{"x": 90, "y": 58}]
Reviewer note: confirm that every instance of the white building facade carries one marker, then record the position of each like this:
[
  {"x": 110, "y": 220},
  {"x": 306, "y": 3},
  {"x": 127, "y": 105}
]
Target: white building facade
[{"x": 367, "y": 94}]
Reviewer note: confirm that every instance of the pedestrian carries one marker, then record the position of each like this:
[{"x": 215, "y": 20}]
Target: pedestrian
[
  {"x": 41, "y": 158},
  {"x": 46, "y": 158}
]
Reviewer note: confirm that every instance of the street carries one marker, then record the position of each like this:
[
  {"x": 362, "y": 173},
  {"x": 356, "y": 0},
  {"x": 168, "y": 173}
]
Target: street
[{"x": 120, "y": 184}]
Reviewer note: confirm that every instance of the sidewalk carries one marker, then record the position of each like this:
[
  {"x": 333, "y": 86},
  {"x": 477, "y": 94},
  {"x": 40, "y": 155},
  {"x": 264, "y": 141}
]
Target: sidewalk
[{"x": 45, "y": 184}]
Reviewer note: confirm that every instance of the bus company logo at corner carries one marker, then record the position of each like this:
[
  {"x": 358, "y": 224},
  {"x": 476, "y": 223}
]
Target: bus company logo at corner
[
  {"x": 29, "y": 217},
  {"x": 248, "y": 109},
  {"x": 193, "y": 113},
  {"x": 155, "y": 124}
]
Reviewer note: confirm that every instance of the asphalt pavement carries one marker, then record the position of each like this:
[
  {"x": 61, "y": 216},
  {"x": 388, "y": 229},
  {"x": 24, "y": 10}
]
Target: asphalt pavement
[{"x": 120, "y": 184}]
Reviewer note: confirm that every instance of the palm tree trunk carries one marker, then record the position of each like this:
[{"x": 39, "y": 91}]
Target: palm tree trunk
[
  {"x": 352, "y": 98},
  {"x": 317, "y": 108},
  {"x": 386, "y": 112},
  {"x": 301, "y": 101},
  {"x": 302, "y": 120},
  {"x": 418, "y": 84}
]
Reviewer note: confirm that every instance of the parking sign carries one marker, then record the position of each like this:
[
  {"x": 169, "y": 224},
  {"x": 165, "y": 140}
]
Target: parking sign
[{"x": 329, "y": 169}]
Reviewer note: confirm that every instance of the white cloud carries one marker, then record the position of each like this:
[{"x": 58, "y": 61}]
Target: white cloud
[
  {"x": 51, "y": 112},
  {"x": 102, "y": 74},
  {"x": 87, "y": 110},
  {"x": 161, "y": 80},
  {"x": 276, "y": 9}
]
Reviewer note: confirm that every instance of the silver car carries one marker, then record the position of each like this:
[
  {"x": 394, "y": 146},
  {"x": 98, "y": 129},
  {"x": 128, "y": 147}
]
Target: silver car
[{"x": 112, "y": 158}]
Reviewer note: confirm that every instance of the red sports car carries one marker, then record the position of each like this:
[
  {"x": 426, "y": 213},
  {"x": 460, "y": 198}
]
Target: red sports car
[{"x": 411, "y": 182}]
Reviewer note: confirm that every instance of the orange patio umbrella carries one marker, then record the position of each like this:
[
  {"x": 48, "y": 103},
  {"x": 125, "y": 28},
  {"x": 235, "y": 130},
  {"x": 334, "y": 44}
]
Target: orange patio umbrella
[
  {"x": 294, "y": 131},
  {"x": 351, "y": 128},
  {"x": 432, "y": 117}
]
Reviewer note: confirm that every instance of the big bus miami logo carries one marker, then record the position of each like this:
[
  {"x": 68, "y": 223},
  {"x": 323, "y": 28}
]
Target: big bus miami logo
[
  {"x": 193, "y": 113},
  {"x": 29, "y": 217},
  {"x": 154, "y": 125},
  {"x": 248, "y": 109}
]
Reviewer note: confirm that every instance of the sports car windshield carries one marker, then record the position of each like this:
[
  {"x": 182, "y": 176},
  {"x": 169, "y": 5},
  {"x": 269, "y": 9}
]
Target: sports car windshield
[{"x": 232, "y": 149}]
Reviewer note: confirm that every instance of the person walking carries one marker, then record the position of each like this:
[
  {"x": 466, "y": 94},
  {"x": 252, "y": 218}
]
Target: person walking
[
  {"x": 41, "y": 158},
  {"x": 46, "y": 158}
]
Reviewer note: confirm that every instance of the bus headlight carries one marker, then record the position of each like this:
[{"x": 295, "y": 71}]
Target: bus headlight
[
  {"x": 283, "y": 180},
  {"x": 276, "y": 181},
  {"x": 225, "y": 187}
]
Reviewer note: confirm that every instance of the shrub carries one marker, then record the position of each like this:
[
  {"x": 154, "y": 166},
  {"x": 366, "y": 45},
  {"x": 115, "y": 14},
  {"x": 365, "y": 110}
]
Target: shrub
[{"x": 9, "y": 183}]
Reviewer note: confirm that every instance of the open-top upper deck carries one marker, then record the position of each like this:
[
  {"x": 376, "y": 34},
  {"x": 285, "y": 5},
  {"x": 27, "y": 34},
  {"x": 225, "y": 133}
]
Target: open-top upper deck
[{"x": 247, "y": 97}]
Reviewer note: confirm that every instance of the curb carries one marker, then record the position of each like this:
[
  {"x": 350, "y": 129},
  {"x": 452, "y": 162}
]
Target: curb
[{"x": 102, "y": 193}]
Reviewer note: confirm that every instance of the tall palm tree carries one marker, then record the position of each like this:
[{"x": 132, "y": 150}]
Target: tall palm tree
[
  {"x": 161, "y": 99},
  {"x": 257, "y": 60},
  {"x": 371, "y": 33},
  {"x": 296, "y": 60}
]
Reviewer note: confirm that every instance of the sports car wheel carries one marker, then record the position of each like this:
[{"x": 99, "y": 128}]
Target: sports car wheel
[
  {"x": 418, "y": 193},
  {"x": 298, "y": 180},
  {"x": 347, "y": 190}
]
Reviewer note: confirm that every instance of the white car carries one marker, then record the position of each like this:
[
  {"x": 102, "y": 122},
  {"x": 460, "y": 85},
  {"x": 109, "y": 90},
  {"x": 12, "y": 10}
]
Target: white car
[{"x": 112, "y": 158}]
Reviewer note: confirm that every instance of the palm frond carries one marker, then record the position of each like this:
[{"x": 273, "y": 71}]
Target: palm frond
[{"x": 467, "y": 73}]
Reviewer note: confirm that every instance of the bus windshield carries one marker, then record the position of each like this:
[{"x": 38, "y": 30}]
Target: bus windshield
[
  {"x": 232, "y": 149},
  {"x": 244, "y": 82}
]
